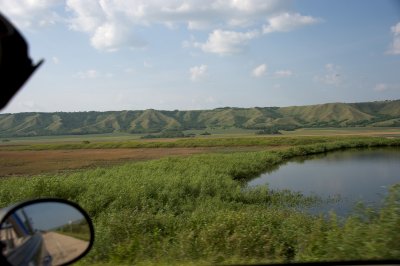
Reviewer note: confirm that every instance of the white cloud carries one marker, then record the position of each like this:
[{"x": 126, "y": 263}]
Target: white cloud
[
  {"x": 395, "y": 45},
  {"x": 380, "y": 87},
  {"x": 206, "y": 14},
  {"x": 110, "y": 37},
  {"x": 226, "y": 42},
  {"x": 55, "y": 60},
  {"x": 109, "y": 75},
  {"x": 283, "y": 73},
  {"x": 119, "y": 97},
  {"x": 114, "y": 24},
  {"x": 108, "y": 27},
  {"x": 210, "y": 99},
  {"x": 259, "y": 71},
  {"x": 31, "y": 106},
  {"x": 111, "y": 23},
  {"x": 129, "y": 70},
  {"x": 288, "y": 22},
  {"x": 330, "y": 67},
  {"x": 31, "y": 13},
  {"x": 87, "y": 15},
  {"x": 198, "y": 25},
  {"x": 88, "y": 74},
  {"x": 331, "y": 76},
  {"x": 198, "y": 72},
  {"x": 147, "y": 64},
  {"x": 94, "y": 74}
]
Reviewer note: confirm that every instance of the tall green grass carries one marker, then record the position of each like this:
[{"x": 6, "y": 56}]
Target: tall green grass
[
  {"x": 196, "y": 142},
  {"x": 193, "y": 210}
]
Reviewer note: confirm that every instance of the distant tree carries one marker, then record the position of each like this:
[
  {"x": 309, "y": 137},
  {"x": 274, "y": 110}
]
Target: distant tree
[
  {"x": 268, "y": 131},
  {"x": 149, "y": 136},
  {"x": 165, "y": 134},
  {"x": 171, "y": 134},
  {"x": 190, "y": 135}
]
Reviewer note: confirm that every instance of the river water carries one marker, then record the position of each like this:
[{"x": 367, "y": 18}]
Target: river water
[{"x": 351, "y": 176}]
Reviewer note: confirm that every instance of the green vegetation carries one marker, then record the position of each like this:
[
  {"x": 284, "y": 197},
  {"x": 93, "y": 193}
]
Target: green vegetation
[
  {"x": 166, "y": 134},
  {"x": 269, "y": 131},
  {"x": 194, "y": 210},
  {"x": 383, "y": 113},
  {"x": 78, "y": 229},
  {"x": 196, "y": 142}
]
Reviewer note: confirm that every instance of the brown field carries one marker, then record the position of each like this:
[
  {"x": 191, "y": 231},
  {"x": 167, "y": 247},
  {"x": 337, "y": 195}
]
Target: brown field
[
  {"x": 35, "y": 162},
  {"x": 31, "y": 162}
]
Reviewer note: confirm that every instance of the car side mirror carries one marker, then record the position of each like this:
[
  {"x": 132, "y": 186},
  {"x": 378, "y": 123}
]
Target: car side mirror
[
  {"x": 44, "y": 232},
  {"x": 15, "y": 65}
]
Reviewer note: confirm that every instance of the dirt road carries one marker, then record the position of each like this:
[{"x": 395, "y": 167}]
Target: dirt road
[{"x": 63, "y": 248}]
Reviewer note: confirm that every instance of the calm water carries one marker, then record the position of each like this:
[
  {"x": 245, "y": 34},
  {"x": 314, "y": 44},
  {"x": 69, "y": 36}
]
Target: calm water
[{"x": 354, "y": 175}]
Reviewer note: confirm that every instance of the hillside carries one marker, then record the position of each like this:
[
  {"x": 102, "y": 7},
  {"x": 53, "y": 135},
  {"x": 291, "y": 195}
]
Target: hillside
[{"x": 382, "y": 113}]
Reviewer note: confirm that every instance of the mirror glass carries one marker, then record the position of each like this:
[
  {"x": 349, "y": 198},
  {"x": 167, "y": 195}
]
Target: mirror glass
[{"x": 44, "y": 233}]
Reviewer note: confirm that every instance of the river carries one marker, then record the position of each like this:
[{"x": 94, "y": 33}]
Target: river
[{"x": 351, "y": 176}]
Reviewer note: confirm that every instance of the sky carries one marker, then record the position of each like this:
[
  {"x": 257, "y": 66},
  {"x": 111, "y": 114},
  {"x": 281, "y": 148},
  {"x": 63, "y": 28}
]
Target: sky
[
  {"x": 49, "y": 215},
  {"x": 103, "y": 55}
]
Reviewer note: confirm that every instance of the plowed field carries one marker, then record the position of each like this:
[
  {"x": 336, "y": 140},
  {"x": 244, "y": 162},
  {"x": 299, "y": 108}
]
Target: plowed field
[{"x": 34, "y": 162}]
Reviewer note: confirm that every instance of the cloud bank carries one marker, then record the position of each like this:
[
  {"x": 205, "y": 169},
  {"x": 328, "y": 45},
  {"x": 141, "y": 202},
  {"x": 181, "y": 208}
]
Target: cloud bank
[
  {"x": 259, "y": 71},
  {"x": 198, "y": 72},
  {"x": 395, "y": 45},
  {"x": 114, "y": 24}
]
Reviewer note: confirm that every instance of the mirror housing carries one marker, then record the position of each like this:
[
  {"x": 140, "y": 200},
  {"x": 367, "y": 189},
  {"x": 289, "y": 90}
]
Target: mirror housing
[
  {"x": 44, "y": 232},
  {"x": 15, "y": 65}
]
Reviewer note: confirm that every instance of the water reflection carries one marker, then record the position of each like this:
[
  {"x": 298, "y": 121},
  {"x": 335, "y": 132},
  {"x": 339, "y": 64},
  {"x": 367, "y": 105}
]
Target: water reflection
[{"x": 353, "y": 175}]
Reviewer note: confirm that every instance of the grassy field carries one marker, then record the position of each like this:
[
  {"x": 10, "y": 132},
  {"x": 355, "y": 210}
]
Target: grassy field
[
  {"x": 68, "y": 138},
  {"x": 215, "y": 133},
  {"x": 41, "y": 156},
  {"x": 364, "y": 131},
  {"x": 193, "y": 209}
]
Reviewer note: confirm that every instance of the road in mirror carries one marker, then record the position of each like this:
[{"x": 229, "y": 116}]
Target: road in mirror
[{"x": 44, "y": 233}]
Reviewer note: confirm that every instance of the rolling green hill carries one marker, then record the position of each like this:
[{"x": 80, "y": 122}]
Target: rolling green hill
[{"x": 382, "y": 113}]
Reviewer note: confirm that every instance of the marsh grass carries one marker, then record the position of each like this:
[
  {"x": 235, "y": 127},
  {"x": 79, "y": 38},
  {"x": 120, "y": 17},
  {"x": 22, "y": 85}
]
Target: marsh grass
[
  {"x": 194, "y": 142},
  {"x": 193, "y": 210}
]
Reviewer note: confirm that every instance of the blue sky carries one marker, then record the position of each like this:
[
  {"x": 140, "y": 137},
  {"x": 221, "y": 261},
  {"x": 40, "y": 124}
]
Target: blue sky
[
  {"x": 202, "y": 54},
  {"x": 49, "y": 215}
]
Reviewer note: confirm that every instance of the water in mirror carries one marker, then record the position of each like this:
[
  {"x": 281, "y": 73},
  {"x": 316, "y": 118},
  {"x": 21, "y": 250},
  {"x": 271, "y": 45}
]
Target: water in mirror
[{"x": 44, "y": 233}]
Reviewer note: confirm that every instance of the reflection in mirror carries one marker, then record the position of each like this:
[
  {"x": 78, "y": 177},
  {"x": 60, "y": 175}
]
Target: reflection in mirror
[{"x": 44, "y": 233}]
